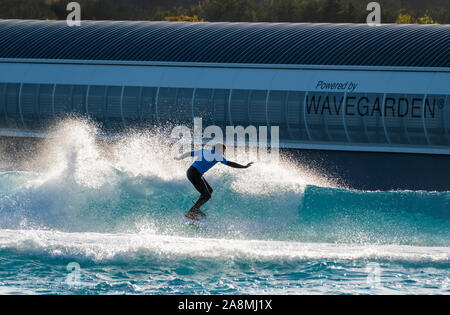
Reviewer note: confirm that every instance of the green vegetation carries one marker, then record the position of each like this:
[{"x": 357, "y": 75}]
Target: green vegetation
[
  {"x": 338, "y": 11},
  {"x": 183, "y": 18},
  {"x": 405, "y": 18}
]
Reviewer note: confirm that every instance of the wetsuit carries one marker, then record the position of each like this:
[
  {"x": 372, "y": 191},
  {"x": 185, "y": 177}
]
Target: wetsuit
[{"x": 205, "y": 159}]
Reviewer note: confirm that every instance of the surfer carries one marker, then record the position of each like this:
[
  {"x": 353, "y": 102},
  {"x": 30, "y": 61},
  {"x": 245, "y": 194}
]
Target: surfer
[{"x": 205, "y": 159}]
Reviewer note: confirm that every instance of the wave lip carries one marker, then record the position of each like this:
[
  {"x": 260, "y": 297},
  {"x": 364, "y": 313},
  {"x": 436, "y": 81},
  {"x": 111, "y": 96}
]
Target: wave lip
[{"x": 129, "y": 248}]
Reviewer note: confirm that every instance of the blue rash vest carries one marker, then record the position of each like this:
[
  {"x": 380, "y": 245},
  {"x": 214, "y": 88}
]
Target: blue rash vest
[{"x": 205, "y": 159}]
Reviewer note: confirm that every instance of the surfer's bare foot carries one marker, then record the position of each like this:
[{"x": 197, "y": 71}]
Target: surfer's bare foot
[
  {"x": 197, "y": 211},
  {"x": 194, "y": 213},
  {"x": 191, "y": 215}
]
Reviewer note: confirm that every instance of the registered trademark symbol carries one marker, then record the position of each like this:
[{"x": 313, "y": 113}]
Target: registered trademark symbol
[{"x": 441, "y": 103}]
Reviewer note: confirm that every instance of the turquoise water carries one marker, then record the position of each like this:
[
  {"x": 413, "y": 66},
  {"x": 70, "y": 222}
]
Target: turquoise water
[{"x": 95, "y": 225}]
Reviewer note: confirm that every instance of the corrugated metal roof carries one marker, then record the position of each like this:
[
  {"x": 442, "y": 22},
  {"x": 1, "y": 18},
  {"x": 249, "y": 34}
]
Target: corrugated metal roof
[{"x": 236, "y": 43}]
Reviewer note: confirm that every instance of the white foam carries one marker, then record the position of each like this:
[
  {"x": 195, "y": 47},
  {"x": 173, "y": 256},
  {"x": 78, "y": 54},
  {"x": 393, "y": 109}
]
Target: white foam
[
  {"x": 74, "y": 153},
  {"x": 119, "y": 248}
]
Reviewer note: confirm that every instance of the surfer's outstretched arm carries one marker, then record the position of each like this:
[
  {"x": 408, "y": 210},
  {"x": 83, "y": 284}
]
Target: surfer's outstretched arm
[
  {"x": 184, "y": 155},
  {"x": 237, "y": 165}
]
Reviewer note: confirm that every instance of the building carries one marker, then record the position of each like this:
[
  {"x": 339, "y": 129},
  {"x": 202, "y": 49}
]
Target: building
[{"x": 349, "y": 92}]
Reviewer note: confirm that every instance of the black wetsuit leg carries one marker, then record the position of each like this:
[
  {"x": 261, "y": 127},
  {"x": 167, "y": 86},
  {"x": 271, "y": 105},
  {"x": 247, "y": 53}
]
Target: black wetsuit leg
[{"x": 201, "y": 185}]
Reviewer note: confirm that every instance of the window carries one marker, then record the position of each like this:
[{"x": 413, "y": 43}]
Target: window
[
  {"x": 46, "y": 104},
  {"x": 96, "y": 102},
  {"x": 220, "y": 104},
  {"x": 374, "y": 118},
  {"x": 63, "y": 100},
  {"x": 29, "y": 105},
  {"x": 79, "y": 99},
  {"x": 132, "y": 99},
  {"x": 295, "y": 118},
  {"x": 318, "y": 111},
  {"x": 239, "y": 107},
  {"x": 356, "y": 108},
  {"x": 113, "y": 107},
  {"x": 204, "y": 106},
  {"x": 147, "y": 105},
  {"x": 11, "y": 101},
  {"x": 371, "y": 107},
  {"x": 277, "y": 112},
  {"x": 437, "y": 121},
  {"x": 257, "y": 108}
]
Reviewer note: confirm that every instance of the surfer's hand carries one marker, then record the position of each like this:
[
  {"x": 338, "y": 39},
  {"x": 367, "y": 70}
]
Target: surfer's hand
[{"x": 249, "y": 164}]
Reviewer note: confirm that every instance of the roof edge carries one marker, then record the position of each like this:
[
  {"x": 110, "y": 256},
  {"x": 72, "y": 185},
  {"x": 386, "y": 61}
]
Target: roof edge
[{"x": 223, "y": 65}]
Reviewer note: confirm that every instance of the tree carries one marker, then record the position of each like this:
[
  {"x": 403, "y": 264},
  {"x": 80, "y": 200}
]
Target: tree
[
  {"x": 330, "y": 11},
  {"x": 310, "y": 11},
  {"x": 343, "y": 11},
  {"x": 284, "y": 11},
  {"x": 405, "y": 18},
  {"x": 229, "y": 10},
  {"x": 426, "y": 19},
  {"x": 26, "y": 9},
  {"x": 183, "y": 18}
]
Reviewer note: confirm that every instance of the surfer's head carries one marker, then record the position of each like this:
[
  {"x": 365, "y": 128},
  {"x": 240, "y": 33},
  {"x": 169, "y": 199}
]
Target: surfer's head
[{"x": 220, "y": 148}]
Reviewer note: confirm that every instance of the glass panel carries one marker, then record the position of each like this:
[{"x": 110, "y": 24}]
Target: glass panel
[
  {"x": 334, "y": 110},
  {"x": 113, "y": 110},
  {"x": 410, "y": 113},
  {"x": 131, "y": 100},
  {"x": 167, "y": 105},
  {"x": 370, "y": 107},
  {"x": 356, "y": 109},
  {"x": 220, "y": 105},
  {"x": 2, "y": 103},
  {"x": 45, "y": 103},
  {"x": 204, "y": 106},
  {"x": 278, "y": 112},
  {"x": 239, "y": 107},
  {"x": 96, "y": 102},
  {"x": 257, "y": 108},
  {"x": 447, "y": 118},
  {"x": 296, "y": 124},
  {"x": 436, "y": 109},
  {"x": 12, "y": 106},
  {"x": 184, "y": 107},
  {"x": 320, "y": 109},
  {"x": 147, "y": 105},
  {"x": 403, "y": 118},
  {"x": 395, "y": 127},
  {"x": 79, "y": 99},
  {"x": 30, "y": 109},
  {"x": 63, "y": 100}
]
